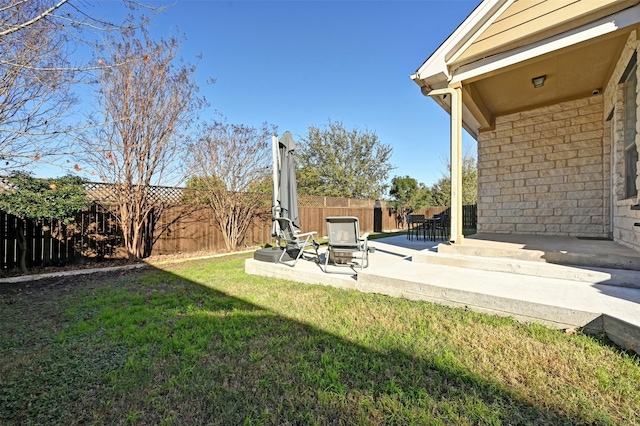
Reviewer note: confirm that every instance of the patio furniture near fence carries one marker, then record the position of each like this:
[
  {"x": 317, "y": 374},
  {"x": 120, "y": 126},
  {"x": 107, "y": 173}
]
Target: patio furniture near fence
[
  {"x": 441, "y": 226},
  {"x": 430, "y": 228},
  {"x": 296, "y": 242},
  {"x": 415, "y": 225},
  {"x": 346, "y": 245}
]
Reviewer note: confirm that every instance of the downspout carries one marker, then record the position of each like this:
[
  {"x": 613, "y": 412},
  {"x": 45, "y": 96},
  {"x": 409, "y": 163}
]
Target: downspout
[{"x": 455, "y": 92}]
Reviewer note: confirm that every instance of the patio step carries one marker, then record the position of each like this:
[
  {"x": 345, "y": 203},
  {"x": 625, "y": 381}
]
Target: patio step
[
  {"x": 513, "y": 265},
  {"x": 548, "y": 249}
]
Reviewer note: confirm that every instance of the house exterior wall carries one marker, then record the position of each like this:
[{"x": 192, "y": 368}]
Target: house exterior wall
[
  {"x": 543, "y": 172},
  {"x": 559, "y": 170},
  {"x": 624, "y": 231}
]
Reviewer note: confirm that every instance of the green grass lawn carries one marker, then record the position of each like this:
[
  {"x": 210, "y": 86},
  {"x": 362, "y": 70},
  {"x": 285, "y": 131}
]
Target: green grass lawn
[{"x": 201, "y": 342}]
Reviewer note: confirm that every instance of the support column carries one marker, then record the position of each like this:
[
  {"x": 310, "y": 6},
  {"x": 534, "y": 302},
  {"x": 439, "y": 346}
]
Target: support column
[
  {"x": 456, "y": 165},
  {"x": 455, "y": 92}
]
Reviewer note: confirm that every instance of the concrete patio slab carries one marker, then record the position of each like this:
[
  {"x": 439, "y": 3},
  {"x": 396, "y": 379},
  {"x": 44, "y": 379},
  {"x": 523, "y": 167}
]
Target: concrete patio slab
[{"x": 555, "y": 295}]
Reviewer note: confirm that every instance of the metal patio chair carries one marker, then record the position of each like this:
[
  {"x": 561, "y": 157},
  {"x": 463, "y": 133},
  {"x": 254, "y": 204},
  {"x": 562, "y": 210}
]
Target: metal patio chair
[
  {"x": 442, "y": 225},
  {"x": 415, "y": 225},
  {"x": 295, "y": 242},
  {"x": 345, "y": 242}
]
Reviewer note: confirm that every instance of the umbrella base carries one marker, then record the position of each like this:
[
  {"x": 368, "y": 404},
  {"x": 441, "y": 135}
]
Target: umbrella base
[{"x": 271, "y": 255}]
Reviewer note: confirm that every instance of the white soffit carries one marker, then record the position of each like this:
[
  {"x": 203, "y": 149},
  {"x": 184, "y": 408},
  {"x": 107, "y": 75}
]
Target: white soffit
[{"x": 586, "y": 32}]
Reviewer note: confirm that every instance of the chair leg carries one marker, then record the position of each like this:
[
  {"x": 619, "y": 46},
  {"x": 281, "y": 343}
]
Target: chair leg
[
  {"x": 365, "y": 255},
  {"x": 284, "y": 250},
  {"x": 443, "y": 233},
  {"x": 300, "y": 252},
  {"x": 326, "y": 259},
  {"x": 302, "y": 247}
]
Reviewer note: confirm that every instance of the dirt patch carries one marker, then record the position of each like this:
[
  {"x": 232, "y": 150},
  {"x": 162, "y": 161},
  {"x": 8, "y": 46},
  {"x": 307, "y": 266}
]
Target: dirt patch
[
  {"x": 107, "y": 263},
  {"x": 43, "y": 290},
  {"x": 67, "y": 267},
  {"x": 49, "y": 288}
]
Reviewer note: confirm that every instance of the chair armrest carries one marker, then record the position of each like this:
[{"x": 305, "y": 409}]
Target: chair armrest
[
  {"x": 364, "y": 236},
  {"x": 304, "y": 234}
]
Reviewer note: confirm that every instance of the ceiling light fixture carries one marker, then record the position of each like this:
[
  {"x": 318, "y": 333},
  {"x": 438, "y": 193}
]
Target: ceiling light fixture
[{"x": 538, "y": 82}]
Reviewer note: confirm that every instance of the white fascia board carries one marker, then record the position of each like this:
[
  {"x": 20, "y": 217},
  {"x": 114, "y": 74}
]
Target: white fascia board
[
  {"x": 436, "y": 64},
  {"x": 586, "y": 32}
]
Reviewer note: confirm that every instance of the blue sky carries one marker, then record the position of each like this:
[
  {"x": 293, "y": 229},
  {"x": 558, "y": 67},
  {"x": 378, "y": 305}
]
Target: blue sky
[{"x": 297, "y": 64}]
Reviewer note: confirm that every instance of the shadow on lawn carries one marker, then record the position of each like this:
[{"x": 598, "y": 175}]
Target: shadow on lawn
[{"x": 152, "y": 347}]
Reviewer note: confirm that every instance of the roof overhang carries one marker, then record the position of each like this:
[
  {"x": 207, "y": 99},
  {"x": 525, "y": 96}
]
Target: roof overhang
[
  {"x": 499, "y": 82},
  {"x": 588, "y": 32},
  {"x": 434, "y": 71}
]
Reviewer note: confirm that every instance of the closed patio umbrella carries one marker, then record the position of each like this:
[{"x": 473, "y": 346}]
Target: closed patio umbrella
[
  {"x": 284, "y": 202},
  {"x": 285, "y": 196}
]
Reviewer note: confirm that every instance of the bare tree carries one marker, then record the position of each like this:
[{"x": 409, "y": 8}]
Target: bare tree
[
  {"x": 38, "y": 41},
  {"x": 33, "y": 68},
  {"x": 229, "y": 165},
  {"x": 146, "y": 106}
]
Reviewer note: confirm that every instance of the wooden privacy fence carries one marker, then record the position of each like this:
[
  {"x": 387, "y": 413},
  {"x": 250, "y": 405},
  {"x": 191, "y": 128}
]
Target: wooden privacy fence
[{"x": 95, "y": 235}]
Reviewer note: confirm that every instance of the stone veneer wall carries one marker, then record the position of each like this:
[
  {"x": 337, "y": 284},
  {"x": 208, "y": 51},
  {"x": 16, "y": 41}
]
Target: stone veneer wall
[
  {"x": 624, "y": 231},
  {"x": 545, "y": 171}
]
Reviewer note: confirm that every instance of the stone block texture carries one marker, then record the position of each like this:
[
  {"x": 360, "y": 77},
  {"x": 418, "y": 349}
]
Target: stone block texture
[
  {"x": 542, "y": 172},
  {"x": 560, "y": 169}
]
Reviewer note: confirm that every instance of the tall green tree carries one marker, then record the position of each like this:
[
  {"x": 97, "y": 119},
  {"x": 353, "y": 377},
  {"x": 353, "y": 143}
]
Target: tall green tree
[
  {"x": 408, "y": 195},
  {"x": 36, "y": 199},
  {"x": 338, "y": 162},
  {"x": 441, "y": 190}
]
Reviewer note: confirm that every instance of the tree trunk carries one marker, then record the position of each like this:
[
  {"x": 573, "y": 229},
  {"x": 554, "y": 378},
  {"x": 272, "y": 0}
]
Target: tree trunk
[{"x": 22, "y": 245}]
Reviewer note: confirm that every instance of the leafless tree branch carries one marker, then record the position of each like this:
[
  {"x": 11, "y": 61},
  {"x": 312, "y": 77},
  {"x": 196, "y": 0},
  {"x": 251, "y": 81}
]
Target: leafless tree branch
[
  {"x": 230, "y": 166},
  {"x": 21, "y": 25},
  {"x": 147, "y": 106},
  {"x": 38, "y": 40}
]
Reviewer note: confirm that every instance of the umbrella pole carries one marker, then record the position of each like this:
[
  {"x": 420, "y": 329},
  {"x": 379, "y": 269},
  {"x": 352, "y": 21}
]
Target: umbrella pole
[{"x": 275, "y": 208}]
